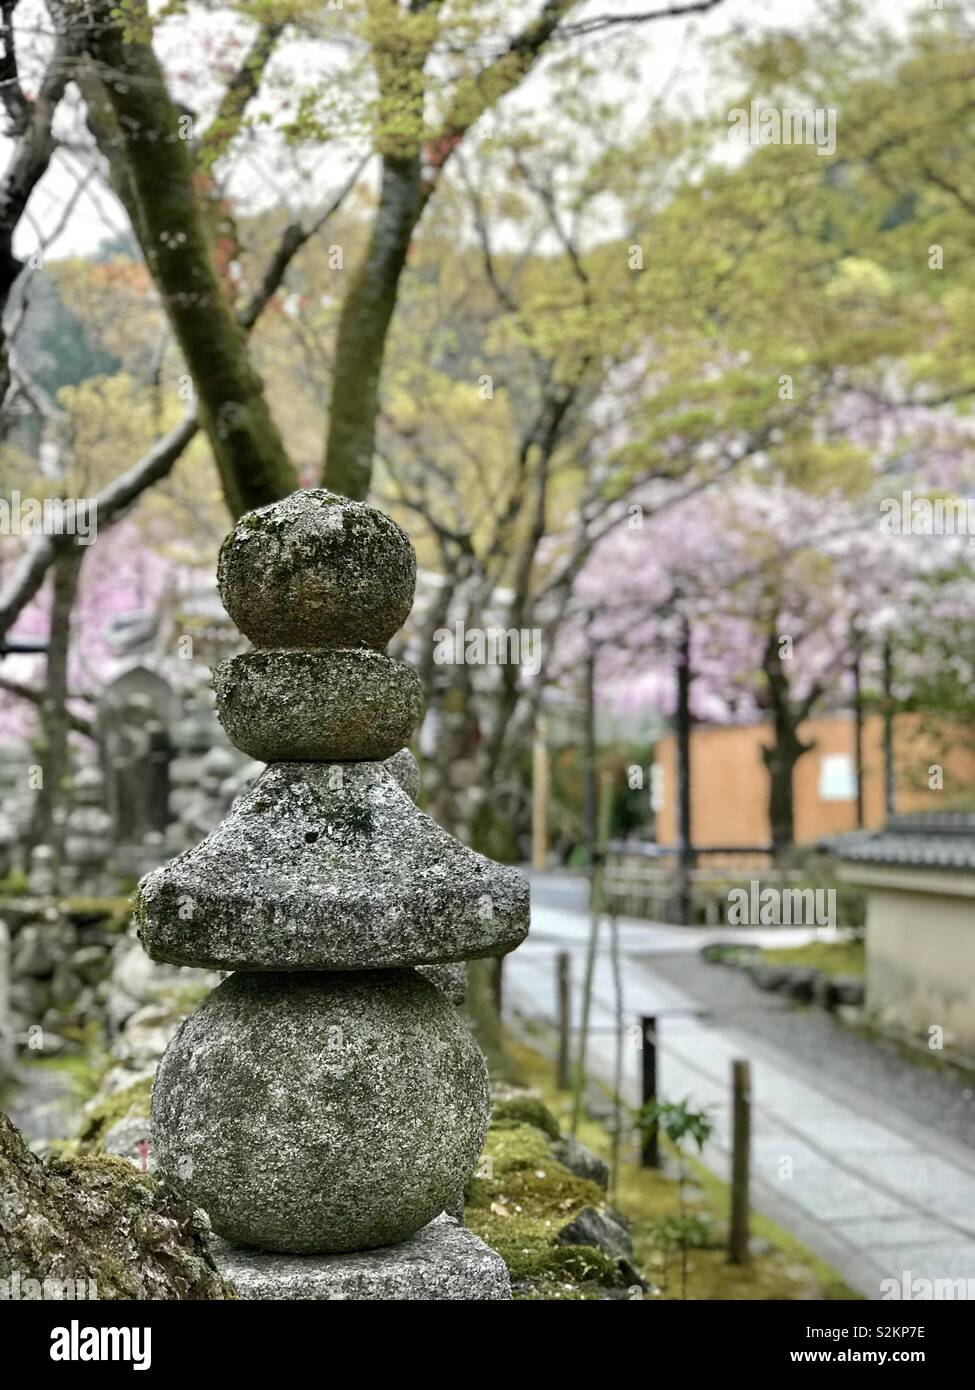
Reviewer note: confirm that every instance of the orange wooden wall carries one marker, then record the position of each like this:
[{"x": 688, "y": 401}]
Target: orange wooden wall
[{"x": 729, "y": 783}]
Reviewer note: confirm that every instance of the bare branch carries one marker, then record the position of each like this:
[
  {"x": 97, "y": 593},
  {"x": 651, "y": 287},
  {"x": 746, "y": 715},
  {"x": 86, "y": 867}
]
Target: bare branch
[
  {"x": 293, "y": 239},
  {"x": 29, "y": 160},
  {"x": 598, "y": 23},
  {"x": 117, "y": 496},
  {"x": 35, "y": 697},
  {"x": 15, "y": 103},
  {"x": 109, "y": 506}
]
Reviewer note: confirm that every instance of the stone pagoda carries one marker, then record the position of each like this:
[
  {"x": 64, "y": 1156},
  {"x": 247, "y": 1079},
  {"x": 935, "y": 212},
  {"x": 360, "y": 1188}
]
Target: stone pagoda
[{"x": 327, "y": 1099}]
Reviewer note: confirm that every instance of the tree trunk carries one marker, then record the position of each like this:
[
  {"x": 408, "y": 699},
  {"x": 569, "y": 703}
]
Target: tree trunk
[
  {"x": 55, "y": 719},
  {"x": 483, "y": 986},
  {"x": 589, "y": 744},
  {"x": 856, "y": 670},
  {"x": 781, "y": 760},
  {"x": 254, "y": 468},
  {"x": 113, "y": 1232},
  {"x": 363, "y": 326},
  {"x": 785, "y": 752},
  {"x": 890, "y": 775}
]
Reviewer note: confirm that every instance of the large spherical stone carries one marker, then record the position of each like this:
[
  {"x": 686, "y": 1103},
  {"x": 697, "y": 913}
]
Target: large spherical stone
[
  {"x": 320, "y": 1112},
  {"x": 317, "y": 706},
  {"x": 317, "y": 570}
]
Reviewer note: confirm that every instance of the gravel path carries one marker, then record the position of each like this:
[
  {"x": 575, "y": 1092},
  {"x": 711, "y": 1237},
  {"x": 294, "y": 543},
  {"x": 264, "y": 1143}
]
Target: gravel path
[
  {"x": 935, "y": 1099},
  {"x": 866, "y": 1157}
]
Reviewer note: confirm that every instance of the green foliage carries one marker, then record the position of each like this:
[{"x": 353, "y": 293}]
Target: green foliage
[
  {"x": 687, "y": 1232},
  {"x": 681, "y": 1124},
  {"x": 678, "y": 1121},
  {"x": 831, "y": 957}
]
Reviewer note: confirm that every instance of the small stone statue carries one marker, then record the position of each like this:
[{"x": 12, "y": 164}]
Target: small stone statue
[{"x": 325, "y": 1097}]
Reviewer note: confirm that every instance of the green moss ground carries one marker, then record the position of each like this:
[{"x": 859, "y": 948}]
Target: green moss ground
[
  {"x": 522, "y": 1201},
  {"x": 533, "y": 1197},
  {"x": 831, "y": 957}
]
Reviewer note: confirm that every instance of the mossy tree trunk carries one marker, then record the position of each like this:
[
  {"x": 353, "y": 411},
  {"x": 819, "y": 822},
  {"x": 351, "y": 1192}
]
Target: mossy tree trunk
[
  {"x": 97, "y": 1221},
  {"x": 367, "y": 312},
  {"x": 483, "y": 993},
  {"x": 158, "y": 175},
  {"x": 413, "y": 160}
]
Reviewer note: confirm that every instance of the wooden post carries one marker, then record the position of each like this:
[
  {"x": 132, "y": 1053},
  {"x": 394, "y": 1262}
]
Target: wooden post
[
  {"x": 597, "y": 841},
  {"x": 540, "y": 798},
  {"x": 741, "y": 1119},
  {"x": 650, "y": 1141},
  {"x": 614, "y": 954},
  {"x": 682, "y": 730},
  {"x": 564, "y": 961}
]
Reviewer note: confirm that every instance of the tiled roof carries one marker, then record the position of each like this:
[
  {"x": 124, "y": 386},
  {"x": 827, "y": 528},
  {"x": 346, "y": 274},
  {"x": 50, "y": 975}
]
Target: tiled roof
[{"x": 933, "y": 840}]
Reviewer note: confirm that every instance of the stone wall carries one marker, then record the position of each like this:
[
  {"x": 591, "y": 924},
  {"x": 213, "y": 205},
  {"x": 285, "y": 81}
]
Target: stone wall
[
  {"x": 921, "y": 954},
  {"x": 60, "y": 965},
  {"x": 96, "y": 851},
  {"x": 7, "y": 1038}
]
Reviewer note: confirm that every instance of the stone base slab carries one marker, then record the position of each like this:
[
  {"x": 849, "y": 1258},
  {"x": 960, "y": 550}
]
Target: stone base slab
[{"x": 442, "y": 1261}]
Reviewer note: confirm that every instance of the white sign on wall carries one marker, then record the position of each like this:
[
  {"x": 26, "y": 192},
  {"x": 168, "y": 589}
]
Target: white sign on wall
[{"x": 837, "y": 778}]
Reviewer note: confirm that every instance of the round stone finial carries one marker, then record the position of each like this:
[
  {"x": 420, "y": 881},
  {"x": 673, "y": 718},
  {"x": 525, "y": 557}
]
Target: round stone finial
[{"x": 316, "y": 570}]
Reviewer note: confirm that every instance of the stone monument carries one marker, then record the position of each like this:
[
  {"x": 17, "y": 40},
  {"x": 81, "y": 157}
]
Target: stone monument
[{"x": 326, "y": 1103}]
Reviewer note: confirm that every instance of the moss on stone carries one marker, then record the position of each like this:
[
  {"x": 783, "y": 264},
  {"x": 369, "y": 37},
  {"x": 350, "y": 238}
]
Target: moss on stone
[
  {"x": 524, "y": 1109},
  {"x": 830, "y": 957},
  {"x": 130, "y": 1100},
  {"x": 526, "y": 1199},
  {"x": 109, "y": 914},
  {"x": 516, "y": 1146},
  {"x": 86, "y": 1068},
  {"x": 647, "y": 1197}
]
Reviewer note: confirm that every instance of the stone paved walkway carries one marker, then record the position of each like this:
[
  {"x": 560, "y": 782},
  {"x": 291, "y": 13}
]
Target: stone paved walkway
[{"x": 866, "y": 1158}]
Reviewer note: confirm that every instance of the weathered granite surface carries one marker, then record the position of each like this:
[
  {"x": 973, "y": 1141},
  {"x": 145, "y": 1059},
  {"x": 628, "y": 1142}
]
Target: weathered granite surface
[
  {"x": 325, "y": 866},
  {"x": 451, "y": 980},
  {"x": 326, "y": 1098},
  {"x": 317, "y": 706},
  {"x": 403, "y": 767},
  {"x": 317, "y": 570},
  {"x": 441, "y": 1261},
  {"x": 320, "y": 1112}
]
